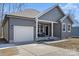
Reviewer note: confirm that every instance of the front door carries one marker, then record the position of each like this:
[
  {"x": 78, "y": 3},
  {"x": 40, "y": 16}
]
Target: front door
[
  {"x": 43, "y": 30},
  {"x": 46, "y": 30}
]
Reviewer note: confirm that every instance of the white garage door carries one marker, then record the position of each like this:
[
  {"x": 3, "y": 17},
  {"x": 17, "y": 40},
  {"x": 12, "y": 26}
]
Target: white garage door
[{"x": 23, "y": 33}]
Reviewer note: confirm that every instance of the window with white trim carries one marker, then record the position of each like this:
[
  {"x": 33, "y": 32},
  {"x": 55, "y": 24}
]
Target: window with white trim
[
  {"x": 69, "y": 28},
  {"x": 63, "y": 27}
]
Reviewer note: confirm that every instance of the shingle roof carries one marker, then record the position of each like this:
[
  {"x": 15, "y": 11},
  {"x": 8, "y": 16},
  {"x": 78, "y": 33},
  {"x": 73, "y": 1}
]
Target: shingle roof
[{"x": 31, "y": 13}]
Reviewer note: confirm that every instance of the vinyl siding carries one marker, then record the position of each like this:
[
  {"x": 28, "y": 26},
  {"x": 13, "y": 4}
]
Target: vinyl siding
[
  {"x": 19, "y": 22},
  {"x": 57, "y": 30},
  {"x": 52, "y": 15},
  {"x": 66, "y": 34}
]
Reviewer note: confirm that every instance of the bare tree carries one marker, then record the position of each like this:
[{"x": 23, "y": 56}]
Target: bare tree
[
  {"x": 2, "y": 12},
  {"x": 12, "y": 7}
]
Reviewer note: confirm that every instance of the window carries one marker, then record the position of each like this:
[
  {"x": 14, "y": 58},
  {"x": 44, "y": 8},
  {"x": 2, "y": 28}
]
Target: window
[
  {"x": 69, "y": 28},
  {"x": 39, "y": 28},
  {"x": 63, "y": 27}
]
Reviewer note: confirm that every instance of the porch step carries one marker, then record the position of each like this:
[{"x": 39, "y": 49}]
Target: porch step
[
  {"x": 53, "y": 38},
  {"x": 48, "y": 38}
]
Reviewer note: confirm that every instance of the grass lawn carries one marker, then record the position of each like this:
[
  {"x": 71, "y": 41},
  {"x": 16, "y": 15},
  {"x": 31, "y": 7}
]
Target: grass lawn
[{"x": 72, "y": 43}]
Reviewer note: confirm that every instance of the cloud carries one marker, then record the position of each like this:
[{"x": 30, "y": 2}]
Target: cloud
[{"x": 72, "y": 8}]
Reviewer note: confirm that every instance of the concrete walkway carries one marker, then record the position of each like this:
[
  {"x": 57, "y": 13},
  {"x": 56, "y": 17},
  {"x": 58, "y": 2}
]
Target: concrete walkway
[{"x": 37, "y": 50}]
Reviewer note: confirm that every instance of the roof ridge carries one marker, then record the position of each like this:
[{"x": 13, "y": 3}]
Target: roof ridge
[
  {"x": 46, "y": 10},
  {"x": 25, "y": 10}
]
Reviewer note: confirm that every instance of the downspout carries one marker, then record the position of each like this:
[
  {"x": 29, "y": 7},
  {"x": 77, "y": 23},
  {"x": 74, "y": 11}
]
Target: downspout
[{"x": 60, "y": 31}]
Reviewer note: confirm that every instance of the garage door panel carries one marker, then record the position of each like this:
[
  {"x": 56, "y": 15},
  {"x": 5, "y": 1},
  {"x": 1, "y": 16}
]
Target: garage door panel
[{"x": 23, "y": 33}]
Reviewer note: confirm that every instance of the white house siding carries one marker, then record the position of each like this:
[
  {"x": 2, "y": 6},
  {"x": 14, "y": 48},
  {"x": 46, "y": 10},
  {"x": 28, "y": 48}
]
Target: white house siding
[
  {"x": 53, "y": 15},
  {"x": 5, "y": 31}
]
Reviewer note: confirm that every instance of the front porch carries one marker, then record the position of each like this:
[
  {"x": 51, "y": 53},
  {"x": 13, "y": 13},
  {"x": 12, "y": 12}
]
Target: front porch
[{"x": 46, "y": 31}]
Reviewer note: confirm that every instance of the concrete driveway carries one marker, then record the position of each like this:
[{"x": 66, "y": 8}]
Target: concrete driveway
[{"x": 36, "y": 50}]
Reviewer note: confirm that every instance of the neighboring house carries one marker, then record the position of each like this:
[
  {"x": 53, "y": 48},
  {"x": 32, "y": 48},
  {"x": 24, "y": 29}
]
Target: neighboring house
[
  {"x": 0, "y": 30},
  {"x": 75, "y": 31},
  {"x": 30, "y": 25}
]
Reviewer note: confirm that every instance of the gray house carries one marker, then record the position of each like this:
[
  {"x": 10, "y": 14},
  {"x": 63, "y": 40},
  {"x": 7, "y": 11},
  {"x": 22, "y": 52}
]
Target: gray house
[{"x": 31, "y": 25}]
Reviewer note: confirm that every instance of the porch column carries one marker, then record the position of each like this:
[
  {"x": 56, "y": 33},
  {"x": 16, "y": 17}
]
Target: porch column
[
  {"x": 52, "y": 28},
  {"x": 36, "y": 29}
]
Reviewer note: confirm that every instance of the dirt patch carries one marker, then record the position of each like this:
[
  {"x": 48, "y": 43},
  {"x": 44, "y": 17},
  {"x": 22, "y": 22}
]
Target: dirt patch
[
  {"x": 8, "y": 52},
  {"x": 72, "y": 44}
]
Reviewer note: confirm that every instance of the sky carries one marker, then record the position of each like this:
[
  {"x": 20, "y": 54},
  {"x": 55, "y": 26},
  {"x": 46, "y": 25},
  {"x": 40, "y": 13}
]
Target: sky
[{"x": 72, "y": 8}]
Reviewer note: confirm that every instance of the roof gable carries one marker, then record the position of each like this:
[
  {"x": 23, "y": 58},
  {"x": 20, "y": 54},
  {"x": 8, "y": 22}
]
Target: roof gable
[
  {"x": 52, "y": 14},
  {"x": 47, "y": 10},
  {"x": 64, "y": 18}
]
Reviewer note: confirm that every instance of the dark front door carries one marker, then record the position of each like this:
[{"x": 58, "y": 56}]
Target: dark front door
[{"x": 46, "y": 30}]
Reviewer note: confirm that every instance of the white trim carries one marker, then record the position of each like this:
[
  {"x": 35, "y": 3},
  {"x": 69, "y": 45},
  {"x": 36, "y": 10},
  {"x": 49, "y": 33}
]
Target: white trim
[
  {"x": 63, "y": 18},
  {"x": 70, "y": 28},
  {"x": 36, "y": 28},
  {"x": 47, "y": 21},
  {"x": 44, "y": 21},
  {"x": 52, "y": 28},
  {"x": 62, "y": 27}
]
